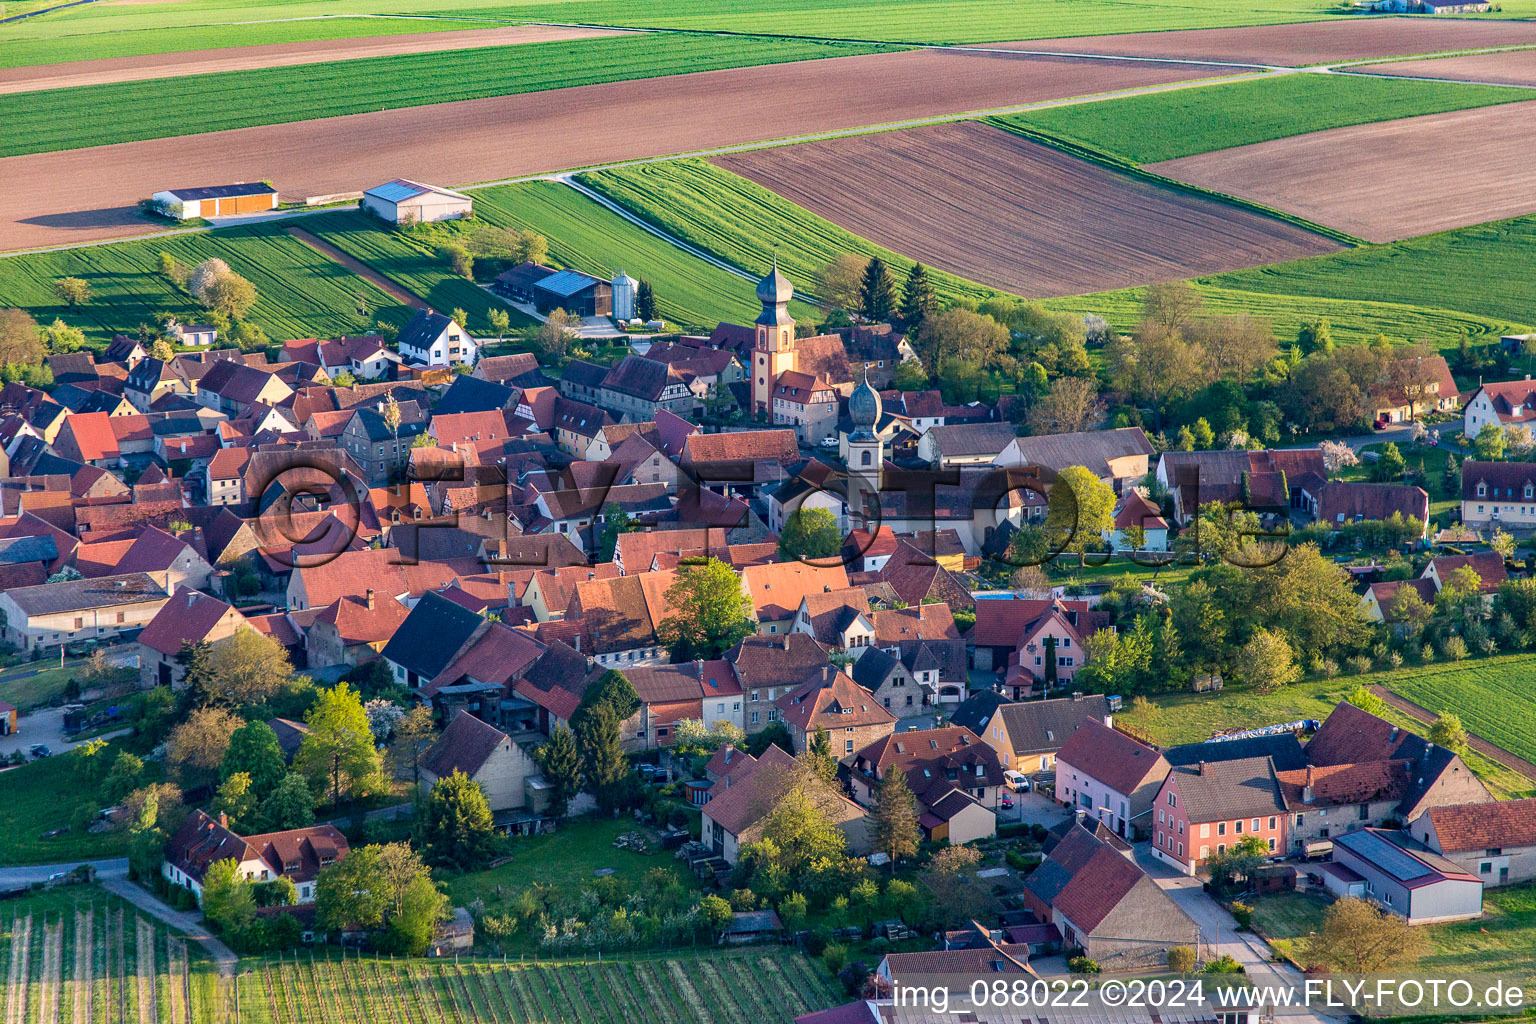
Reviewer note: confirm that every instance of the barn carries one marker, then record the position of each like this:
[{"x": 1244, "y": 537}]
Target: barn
[
  {"x": 410, "y": 202},
  {"x": 577, "y": 293},
  {"x": 217, "y": 200}
]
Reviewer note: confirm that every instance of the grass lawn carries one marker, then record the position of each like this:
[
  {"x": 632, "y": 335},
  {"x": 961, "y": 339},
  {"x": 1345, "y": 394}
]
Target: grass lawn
[
  {"x": 585, "y": 236},
  {"x": 741, "y": 222},
  {"x": 565, "y": 860},
  {"x": 1502, "y": 941},
  {"x": 1441, "y": 501},
  {"x": 38, "y": 797},
  {"x": 41, "y": 688},
  {"x": 1288, "y": 915},
  {"x": 1163, "y": 126},
  {"x": 301, "y": 293},
  {"x": 97, "y": 115}
]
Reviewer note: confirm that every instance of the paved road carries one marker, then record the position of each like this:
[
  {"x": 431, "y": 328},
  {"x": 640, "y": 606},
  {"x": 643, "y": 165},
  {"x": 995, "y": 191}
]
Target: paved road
[
  {"x": 45, "y": 726},
  {"x": 190, "y": 924},
  {"x": 27, "y": 874}
]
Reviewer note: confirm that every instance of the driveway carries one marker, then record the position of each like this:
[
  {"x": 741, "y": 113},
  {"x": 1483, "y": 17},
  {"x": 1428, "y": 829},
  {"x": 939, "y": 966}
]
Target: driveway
[
  {"x": 10, "y": 878},
  {"x": 45, "y": 726},
  {"x": 190, "y": 924}
]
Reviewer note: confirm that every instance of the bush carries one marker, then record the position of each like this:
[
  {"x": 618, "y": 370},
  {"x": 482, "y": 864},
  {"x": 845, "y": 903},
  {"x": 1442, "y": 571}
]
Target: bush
[
  {"x": 835, "y": 955},
  {"x": 1242, "y": 913},
  {"x": 1359, "y": 664},
  {"x": 1224, "y": 965},
  {"x": 1181, "y": 959},
  {"x": 1083, "y": 965}
]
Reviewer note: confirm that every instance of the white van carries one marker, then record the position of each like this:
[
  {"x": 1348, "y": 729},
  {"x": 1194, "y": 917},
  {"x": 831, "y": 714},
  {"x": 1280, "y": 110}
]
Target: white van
[{"x": 1017, "y": 781}]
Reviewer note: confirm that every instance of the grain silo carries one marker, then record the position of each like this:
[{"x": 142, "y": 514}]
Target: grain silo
[{"x": 624, "y": 290}]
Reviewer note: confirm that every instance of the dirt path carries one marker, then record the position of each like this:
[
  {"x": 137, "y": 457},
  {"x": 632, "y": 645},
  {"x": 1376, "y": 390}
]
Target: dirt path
[
  {"x": 1492, "y": 751},
  {"x": 277, "y": 55},
  {"x": 357, "y": 267},
  {"x": 189, "y": 924}
]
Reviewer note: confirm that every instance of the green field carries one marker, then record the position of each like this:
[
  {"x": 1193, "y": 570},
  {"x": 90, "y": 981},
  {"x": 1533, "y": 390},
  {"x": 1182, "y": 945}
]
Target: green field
[
  {"x": 739, "y": 221},
  {"x": 302, "y": 294},
  {"x": 412, "y": 266},
  {"x": 1502, "y": 941},
  {"x": 586, "y": 236},
  {"x": 97, "y": 115},
  {"x": 1182, "y": 122},
  {"x": 1492, "y": 696}
]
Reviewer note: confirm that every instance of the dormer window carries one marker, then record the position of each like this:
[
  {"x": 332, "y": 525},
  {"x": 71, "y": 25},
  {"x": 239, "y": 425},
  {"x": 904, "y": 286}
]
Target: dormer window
[
  {"x": 1482, "y": 489},
  {"x": 1528, "y": 491}
]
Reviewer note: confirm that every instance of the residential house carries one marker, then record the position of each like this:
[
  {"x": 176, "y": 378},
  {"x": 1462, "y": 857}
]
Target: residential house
[
  {"x": 1204, "y": 808},
  {"x": 831, "y": 700},
  {"x": 1385, "y": 602},
  {"x": 233, "y": 388},
  {"x": 431, "y": 339},
  {"x": 1328, "y": 801},
  {"x": 88, "y": 437},
  {"x": 1107, "y": 906},
  {"x": 1138, "y": 525},
  {"x": 734, "y": 817},
  {"x": 1488, "y": 565},
  {"x": 1118, "y": 457},
  {"x": 503, "y": 767},
  {"x": 806, "y": 403},
  {"x": 615, "y": 622},
  {"x": 956, "y": 778},
  {"x": 1425, "y": 386},
  {"x": 186, "y": 618},
  {"x": 1336, "y": 503},
  {"x": 740, "y": 461},
  {"x": 1498, "y": 495},
  {"x": 703, "y": 691},
  {"x": 1270, "y": 480},
  {"x": 518, "y": 369},
  {"x": 1494, "y": 841},
  {"x": 1408, "y": 878},
  {"x": 1111, "y": 777},
  {"x": 428, "y": 639},
  {"x": 768, "y": 667},
  {"x": 1027, "y": 736},
  {"x": 298, "y": 855},
  {"x": 51, "y": 614},
  {"x": 1022, "y": 638},
  {"x": 776, "y": 590},
  {"x": 226, "y": 476},
  {"x": 636, "y": 387},
  {"x": 965, "y": 444},
  {"x": 353, "y": 629}
]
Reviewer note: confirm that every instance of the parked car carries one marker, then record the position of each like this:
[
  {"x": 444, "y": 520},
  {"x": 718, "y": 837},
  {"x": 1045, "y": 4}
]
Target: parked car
[
  {"x": 40, "y": 750},
  {"x": 1007, "y": 803},
  {"x": 828, "y": 442},
  {"x": 1017, "y": 781}
]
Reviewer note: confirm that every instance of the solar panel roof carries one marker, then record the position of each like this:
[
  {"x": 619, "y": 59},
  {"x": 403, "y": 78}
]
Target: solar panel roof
[
  {"x": 566, "y": 282},
  {"x": 395, "y": 191},
  {"x": 1387, "y": 856}
]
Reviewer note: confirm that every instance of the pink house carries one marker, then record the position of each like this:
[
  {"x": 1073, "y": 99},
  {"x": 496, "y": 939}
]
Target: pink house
[{"x": 1202, "y": 809}]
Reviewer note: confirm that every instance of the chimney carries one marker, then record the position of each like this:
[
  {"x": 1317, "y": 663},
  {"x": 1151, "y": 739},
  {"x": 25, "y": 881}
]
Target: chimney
[
  {"x": 223, "y": 820},
  {"x": 368, "y": 598},
  {"x": 1306, "y": 791},
  {"x": 1393, "y": 737},
  {"x": 1200, "y": 768}
]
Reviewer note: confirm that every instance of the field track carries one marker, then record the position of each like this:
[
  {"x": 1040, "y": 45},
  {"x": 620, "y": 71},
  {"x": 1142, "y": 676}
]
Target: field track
[
  {"x": 244, "y": 58},
  {"x": 1318, "y": 42},
  {"x": 1517, "y": 67},
  {"x": 1370, "y": 180},
  {"x": 995, "y": 208},
  {"x": 357, "y": 267},
  {"x": 1492, "y": 751},
  {"x": 87, "y": 195}
]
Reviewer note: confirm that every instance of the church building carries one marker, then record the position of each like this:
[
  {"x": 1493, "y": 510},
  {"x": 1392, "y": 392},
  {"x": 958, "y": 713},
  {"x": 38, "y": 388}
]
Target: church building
[{"x": 796, "y": 382}]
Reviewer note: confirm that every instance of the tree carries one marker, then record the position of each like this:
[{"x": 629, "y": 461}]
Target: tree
[
  {"x": 231, "y": 295},
  {"x": 910, "y": 376},
  {"x": 203, "y": 275},
  {"x": 1448, "y": 733},
  {"x": 1181, "y": 959},
  {"x": 716, "y": 912},
  {"x": 499, "y": 321},
  {"x": 247, "y": 668},
  {"x": 918, "y": 301},
  {"x": 555, "y": 334},
  {"x": 460, "y": 317},
  {"x": 289, "y": 804},
  {"x": 414, "y": 736},
  {"x": 616, "y": 521},
  {"x": 818, "y": 755},
  {"x": 1362, "y": 698},
  {"x": 254, "y": 750},
  {"x": 352, "y": 891},
  {"x": 645, "y": 300},
  {"x": 960, "y": 342},
  {"x": 161, "y": 350},
  {"x": 1233, "y": 867},
  {"x": 20, "y": 340},
  {"x": 1502, "y": 543},
  {"x": 422, "y": 908},
  {"x": 1079, "y": 508},
  {"x": 72, "y": 290},
  {"x": 1389, "y": 463},
  {"x": 228, "y": 897},
  {"x": 125, "y": 776},
  {"x": 1316, "y": 336},
  {"x": 146, "y": 843},
  {"x": 896, "y": 832},
  {"x": 810, "y": 533},
  {"x": 1267, "y": 662},
  {"x": 174, "y": 270},
  {"x": 236, "y": 800},
  {"x": 560, "y": 761},
  {"x": 1489, "y": 443},
  {"x": 800, "y": 828},
  {"x": 877, "y": 292},
  {"x": 838, "y": 282},
  {"x": 1337, "y": 455},
  {"x": 1170, "y": 304},
  {"x": 602, "y": 755},
  {"x": 458, "y": 831},
  {"x": 1358, "y": 938},
  {"x": 613, "y": 691},
  {"x": 459, "y": 260},
  {"x": 1069, "y": 406},
  {"x": 1204, "y": 436},
  {"x": 338, "y": 752},
  {"x": 954, "y": 894},
  {"x": 532, "y": 247},
  {"x": 710, "y": 613},
  {"x": 197, "y": 746}
]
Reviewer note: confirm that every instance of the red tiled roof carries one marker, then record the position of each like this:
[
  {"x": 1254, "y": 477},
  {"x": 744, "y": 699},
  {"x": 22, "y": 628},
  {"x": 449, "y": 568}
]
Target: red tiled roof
[
  {"x": 833, "y": 700},
  {"x": 1112, "y": 757},
  {"x": 743, "y": 445},
  {"x": 1503, "y": 823},
  {"x": 89, "y": 437},
  {"x": 776, "y": 589},
  {"x": 357, "y": 623},
  {"x": 1357, "y": 783},
  {"x": 464, "y": 746},
  {"x": 188, "y": 616},
  {"x": 1488, "y": 565}
]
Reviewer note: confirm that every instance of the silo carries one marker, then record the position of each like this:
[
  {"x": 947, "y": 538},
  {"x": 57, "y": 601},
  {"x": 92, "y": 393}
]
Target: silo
[{"x": 624, "y": 291}]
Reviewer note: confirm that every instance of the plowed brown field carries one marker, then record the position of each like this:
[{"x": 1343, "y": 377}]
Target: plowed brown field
[
  {"x": 1516, "y": 67},
  {"x": 990, "y": 206},
  {"x": 1372, "y": 180},
  {"x": 89, "y": 194},
  {"x": 1316, "y": 42},
  {"x": 275, "y": 55}
]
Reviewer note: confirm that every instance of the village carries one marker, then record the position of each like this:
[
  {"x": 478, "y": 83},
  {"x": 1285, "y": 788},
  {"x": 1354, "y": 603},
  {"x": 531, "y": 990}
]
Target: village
[{"x": 853, "y": 668}]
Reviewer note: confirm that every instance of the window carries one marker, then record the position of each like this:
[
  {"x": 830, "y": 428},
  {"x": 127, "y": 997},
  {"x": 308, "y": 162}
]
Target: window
[
  {"x": 1221, "y": 828},
  {"x": 119, "y": 617},
  {"x": 1173, "y": 800},
  {"x": 79, "y": 622},
  {"x": 1485, "y": 868},
  {"x": 848, "y": 747},
  {"x": 1205, "y": 852},
  {"x": 754, "y": 718},
  {"x": 1271, "y": 821},
  {"x": 754, "y": 695},
  {"x": 1237, "y": 826},
  {"x": 1181, "y": 849},
  {"x": 1181, "y": 828},
  {"x": 1271, "y": 844},
  {"x": 1159, "y": 811},
  {"x": 1256, "y": 825},
  {"x": 1221, "y": 847}
]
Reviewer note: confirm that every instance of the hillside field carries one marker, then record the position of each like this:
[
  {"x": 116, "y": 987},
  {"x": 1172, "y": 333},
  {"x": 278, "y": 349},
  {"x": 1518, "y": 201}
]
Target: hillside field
[
  {"x": 587, "y": 237},
  {"x": 739, "y": 221},
  {"x": 1167, "y": 125},
  {"x": 97, "y": 115},
  {"x": 301, "y": 294}
]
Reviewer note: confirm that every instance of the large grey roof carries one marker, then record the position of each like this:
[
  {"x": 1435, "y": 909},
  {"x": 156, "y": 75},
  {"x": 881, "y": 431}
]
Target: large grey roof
[
  {"x": 82, "y": 595},
  {"x": 1223, "y": 790},
  {"x": 1091, "y": 449},
  {"x": 1036, "y": 726},
  {"x": 1283, "y": 749},
  {"x": 431, "y": 635}
]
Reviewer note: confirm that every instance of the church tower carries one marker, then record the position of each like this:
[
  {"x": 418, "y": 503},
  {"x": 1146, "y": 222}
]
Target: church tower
[
  {"x": 773, "y": 347},
  {"x": 866, "y": 452}
]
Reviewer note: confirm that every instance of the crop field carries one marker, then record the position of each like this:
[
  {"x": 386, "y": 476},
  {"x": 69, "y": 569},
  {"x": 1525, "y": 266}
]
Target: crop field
[
  {"x": 731, "y": 986},
  {"x": 96, "y": 115},
  {"x": 301, "y": 294},
  {"x": 1163, "y": 126},
  {"x": 1492, "y": 696},
  {"x": 1517, "y": 67},
  {"x": 1329, "y": 41},
  {"x": 585, "y": 236},
  {"x": 408, "y": 264},
  {"x": 1368, "y": 180},
  {"x": 739, "y": 221},
  {"x": 77, "y": 955},
  {"x": 1022, "y": 217}
]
